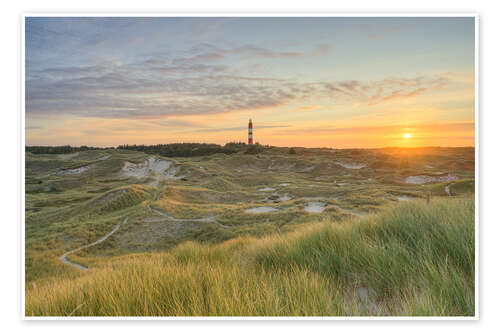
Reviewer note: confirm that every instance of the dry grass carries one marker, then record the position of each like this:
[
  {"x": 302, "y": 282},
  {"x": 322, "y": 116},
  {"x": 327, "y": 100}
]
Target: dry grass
[{"x": 416, "y": 259}]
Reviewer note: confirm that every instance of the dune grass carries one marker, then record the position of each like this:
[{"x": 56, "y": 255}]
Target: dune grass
[{"x": 415, "y": 259}]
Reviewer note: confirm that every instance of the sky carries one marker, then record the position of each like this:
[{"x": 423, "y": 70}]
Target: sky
[{"x": 343, "y": 82}]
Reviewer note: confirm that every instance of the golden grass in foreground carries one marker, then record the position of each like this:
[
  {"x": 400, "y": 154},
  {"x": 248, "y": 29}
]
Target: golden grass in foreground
[{"x": 416, "y": 259}]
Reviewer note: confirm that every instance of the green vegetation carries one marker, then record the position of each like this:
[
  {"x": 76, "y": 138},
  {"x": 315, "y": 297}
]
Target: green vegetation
[
  {"x": 284, "y": 234},
  {"x": 415, "y": 259},
  {"x": 58, "y": 149},
  {"x": 254, "y": 149},
  {"x": 188, "y": 149}
]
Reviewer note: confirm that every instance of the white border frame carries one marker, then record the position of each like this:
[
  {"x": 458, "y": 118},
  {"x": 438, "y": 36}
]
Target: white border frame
[{"x": 269, "y": 13}]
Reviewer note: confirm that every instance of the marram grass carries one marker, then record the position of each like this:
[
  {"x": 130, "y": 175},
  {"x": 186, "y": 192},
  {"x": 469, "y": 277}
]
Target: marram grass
[{"x": 414, "y": 260}]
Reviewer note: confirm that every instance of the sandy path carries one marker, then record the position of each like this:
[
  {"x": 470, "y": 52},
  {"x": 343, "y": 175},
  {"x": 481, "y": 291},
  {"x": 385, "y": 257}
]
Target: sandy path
[
  {"x": 424, "y": 179},
  {"x": 76, "y": 171},
  {"x": 315, "y": 207},
  {"x": 65, "y": 260},
  {"x": 447, "y": 190},
  {"x": 259, "y": 210}
]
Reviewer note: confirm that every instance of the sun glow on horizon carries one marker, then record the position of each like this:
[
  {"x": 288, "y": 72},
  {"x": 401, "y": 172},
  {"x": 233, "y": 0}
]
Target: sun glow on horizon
[{"x": 407, "y": 136}]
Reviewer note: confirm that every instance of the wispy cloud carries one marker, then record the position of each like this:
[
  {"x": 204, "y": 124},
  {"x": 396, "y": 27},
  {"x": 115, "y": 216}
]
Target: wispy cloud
[
  {"x": 157, "y": 87},
  {"x": 206, "y": 52}
]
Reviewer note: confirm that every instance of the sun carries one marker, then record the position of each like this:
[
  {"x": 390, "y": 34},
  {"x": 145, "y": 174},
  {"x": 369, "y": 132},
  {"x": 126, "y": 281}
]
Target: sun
[{"x": 407, "y": 135}]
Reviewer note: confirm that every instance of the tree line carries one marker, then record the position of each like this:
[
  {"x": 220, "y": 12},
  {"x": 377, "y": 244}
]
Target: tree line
[
  {"x": 167, "y": 150},
  {"x": 58, "y": 149},
  {"x": 187, "y": 149}
]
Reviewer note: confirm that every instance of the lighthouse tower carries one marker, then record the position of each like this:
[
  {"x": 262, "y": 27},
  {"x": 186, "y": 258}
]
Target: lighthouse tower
[{"x": 250, "y": 134}]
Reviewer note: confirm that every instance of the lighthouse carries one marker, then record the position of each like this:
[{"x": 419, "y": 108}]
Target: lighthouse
[{"x": 250, "y": 134}]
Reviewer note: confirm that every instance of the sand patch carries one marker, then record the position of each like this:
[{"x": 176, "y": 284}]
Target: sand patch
[
  {"x": 76, "y": 171},
  {"x": 267, "y": 189},
  {"x": 277, "y": 198},
  {"x": 424, "y": 179},
  {"x": 154, "y": 167},
  {"x": 143, "y": 170},
  {"x": 285, "y": 197},
  {"x": 404, "y": 198},
  {"x": 447, "y": 190},
  {"x": 315, "y": 207},
  {"x": 259, "y": 210}
]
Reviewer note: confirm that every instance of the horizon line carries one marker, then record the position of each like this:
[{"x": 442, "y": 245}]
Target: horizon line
[{"x": 116, "y": 147}]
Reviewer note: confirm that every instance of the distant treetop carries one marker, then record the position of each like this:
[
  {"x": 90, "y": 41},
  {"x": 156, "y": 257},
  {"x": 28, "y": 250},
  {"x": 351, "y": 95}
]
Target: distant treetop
[{"x": 58, "y": 149}]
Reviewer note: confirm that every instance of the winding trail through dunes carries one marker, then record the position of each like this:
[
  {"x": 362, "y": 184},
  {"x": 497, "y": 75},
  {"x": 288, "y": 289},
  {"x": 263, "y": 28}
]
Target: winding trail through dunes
[
  {"x": 424, "y": 179},
  {"x": 315, "y": 207},
  {"x": 259, "y": 210},
  {"x": 65, "y": 260},
  {"x": 76, "y": 171},
  {"x": 447, "y": 190}
]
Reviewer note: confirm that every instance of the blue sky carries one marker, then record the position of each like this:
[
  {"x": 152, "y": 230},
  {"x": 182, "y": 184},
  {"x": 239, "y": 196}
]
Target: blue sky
[{"x": 107, "y": 81}]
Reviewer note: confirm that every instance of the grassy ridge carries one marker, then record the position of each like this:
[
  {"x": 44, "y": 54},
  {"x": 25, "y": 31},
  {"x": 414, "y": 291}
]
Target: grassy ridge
[{"x": 416, "y": 259}]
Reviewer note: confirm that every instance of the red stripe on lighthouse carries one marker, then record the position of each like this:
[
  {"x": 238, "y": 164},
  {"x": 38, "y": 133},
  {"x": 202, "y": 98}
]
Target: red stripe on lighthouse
[{"x": 250, "y": 136}]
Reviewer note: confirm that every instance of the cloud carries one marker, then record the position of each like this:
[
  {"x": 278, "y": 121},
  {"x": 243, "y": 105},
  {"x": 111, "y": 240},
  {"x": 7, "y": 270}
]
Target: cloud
[
  {"x": 206, "y": 52},
  {"x": 192, "y": 82},
  {"x": 144, "y": 90},
  {"x": 399, "y": 94},
  {"x": 129, "y": 92}
]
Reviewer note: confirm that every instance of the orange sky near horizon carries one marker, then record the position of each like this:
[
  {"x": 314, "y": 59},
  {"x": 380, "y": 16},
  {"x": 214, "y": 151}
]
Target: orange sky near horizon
[
  {"x": 317, "y": 135},
  {"x": 311, "y": 125}
]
